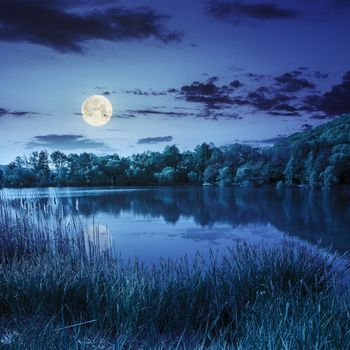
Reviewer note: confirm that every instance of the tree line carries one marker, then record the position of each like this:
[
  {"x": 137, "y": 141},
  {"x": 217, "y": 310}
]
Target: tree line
[{"x": 319, "y": 157}]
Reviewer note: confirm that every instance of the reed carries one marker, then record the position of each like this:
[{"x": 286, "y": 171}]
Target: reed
[{"x": 58, "y": 291}]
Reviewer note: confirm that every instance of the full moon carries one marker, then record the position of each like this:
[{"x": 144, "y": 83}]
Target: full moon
[{"x": 97, "y": 110}]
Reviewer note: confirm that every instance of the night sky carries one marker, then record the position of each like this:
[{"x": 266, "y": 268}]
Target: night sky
[{"x": 177, "y": 72}]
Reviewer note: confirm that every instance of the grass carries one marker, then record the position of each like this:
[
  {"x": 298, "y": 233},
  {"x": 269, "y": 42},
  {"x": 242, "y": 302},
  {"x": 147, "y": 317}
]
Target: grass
[{"x": 58, "y": 291}]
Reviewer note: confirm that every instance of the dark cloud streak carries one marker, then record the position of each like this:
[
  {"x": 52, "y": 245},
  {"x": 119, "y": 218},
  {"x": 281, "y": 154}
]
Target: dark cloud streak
[
  {"x": 7, "y": 112},
  {"x": 65, "y": 142},
  {"x": 154, "y": 140},
  {"x": 158, "y": 112},
  {"x": 240, "y": 12},
  {"x": 139, "y": 92}
]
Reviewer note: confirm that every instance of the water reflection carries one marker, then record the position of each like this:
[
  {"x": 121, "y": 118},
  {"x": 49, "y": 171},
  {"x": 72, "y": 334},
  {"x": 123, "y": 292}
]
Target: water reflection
[
  {"x": 98, "y": 237},
  {"x": 200, "y": 214}
]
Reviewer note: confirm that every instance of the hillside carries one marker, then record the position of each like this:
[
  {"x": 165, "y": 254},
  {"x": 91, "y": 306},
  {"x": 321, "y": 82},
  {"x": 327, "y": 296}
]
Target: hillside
[
  {"x": 318, "y": 157},
  {"x": 335, "y": 132}
]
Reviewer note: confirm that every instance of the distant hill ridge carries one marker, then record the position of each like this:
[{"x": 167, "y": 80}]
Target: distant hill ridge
[
  {"x": 319, "y": 157},
  {"x": 335, "y": 131}
]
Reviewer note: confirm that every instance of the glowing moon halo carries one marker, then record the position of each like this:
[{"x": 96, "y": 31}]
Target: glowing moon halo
[{"x": 96, "y": 110}]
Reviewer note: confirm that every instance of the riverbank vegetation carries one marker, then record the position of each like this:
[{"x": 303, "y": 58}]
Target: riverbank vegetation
[
  {"x": 58, "y": 290},
  {"x": 319, "y": 157}
]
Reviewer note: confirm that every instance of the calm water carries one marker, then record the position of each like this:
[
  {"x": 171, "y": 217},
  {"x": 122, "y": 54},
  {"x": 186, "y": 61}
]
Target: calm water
[{"x": 171, "y": 222}]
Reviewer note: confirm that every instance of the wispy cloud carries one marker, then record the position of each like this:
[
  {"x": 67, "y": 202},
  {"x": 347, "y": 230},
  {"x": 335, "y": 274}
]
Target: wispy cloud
[
  {"x": 139, "y": 92},
  {"x": 153, "y": 140},
  {"x": 238, "y": 11},
  {"x": 66, "y": 142},
  {"x": 7, "y": 112},
  {"x": 134, "y": 112}
]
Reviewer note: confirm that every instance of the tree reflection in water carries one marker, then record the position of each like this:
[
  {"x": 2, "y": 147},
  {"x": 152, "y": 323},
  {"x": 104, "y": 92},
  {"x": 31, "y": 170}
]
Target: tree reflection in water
[{"x": 314, "y": 215}]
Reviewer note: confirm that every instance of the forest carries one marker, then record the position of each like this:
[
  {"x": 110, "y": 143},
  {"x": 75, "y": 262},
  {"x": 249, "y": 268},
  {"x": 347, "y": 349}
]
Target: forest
[{"x": 319, "y": 157}]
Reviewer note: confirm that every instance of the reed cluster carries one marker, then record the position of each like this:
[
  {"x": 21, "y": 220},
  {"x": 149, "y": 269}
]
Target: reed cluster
[{"x": 59, "y": 291}]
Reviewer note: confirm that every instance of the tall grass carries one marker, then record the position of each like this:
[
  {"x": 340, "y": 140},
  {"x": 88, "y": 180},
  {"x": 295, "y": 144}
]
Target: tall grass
[{"x": 58, "y": 292}]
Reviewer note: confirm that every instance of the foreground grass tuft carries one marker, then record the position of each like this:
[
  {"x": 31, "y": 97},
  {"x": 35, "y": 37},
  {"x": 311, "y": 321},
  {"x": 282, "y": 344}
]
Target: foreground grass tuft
[{"x": 57, "y": 292}]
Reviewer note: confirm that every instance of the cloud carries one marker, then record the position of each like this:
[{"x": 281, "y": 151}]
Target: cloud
[
  {"x": 124, "y": 115},
  {"x": 208, "y": 93},
  {"x": 306, "y": 127},
  {"x": 5, "y": 112},
  {"x": 285, "y": 107},
  {"x": 320, "y": 75},
  {"x": 238, "y": 11},
  {"x": 153, "y": 140},
  {"x": 334, "y": 102},
  {"x": 236, "y": 84},
  {"x": 290, "y": 82},
  {"x": 337, "y": 100},
  {"x": 261, "y": 100},
  {"x": 139, "y": 92},
  {"x": 275, "y": 99},
  {"x": 208, "y": 113},
  {"x": 255, "y": 76},
  {"x": 285, "y": 94},
  {"x": 249, "y": 11},
  {"x": 104, "y": 91},
  {"x": 158, "y": 112},
  {"x": 281, "y": 95},
  {"x": 54, "y": 24},
  {"x": 65, "y": 142},
  {"x": 22, "y": 113},
  {"x": 284, "y": 114}
]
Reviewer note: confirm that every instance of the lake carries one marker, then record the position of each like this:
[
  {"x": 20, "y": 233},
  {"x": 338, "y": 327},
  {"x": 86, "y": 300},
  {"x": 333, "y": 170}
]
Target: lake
[{"x": 155, "y": 222}]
